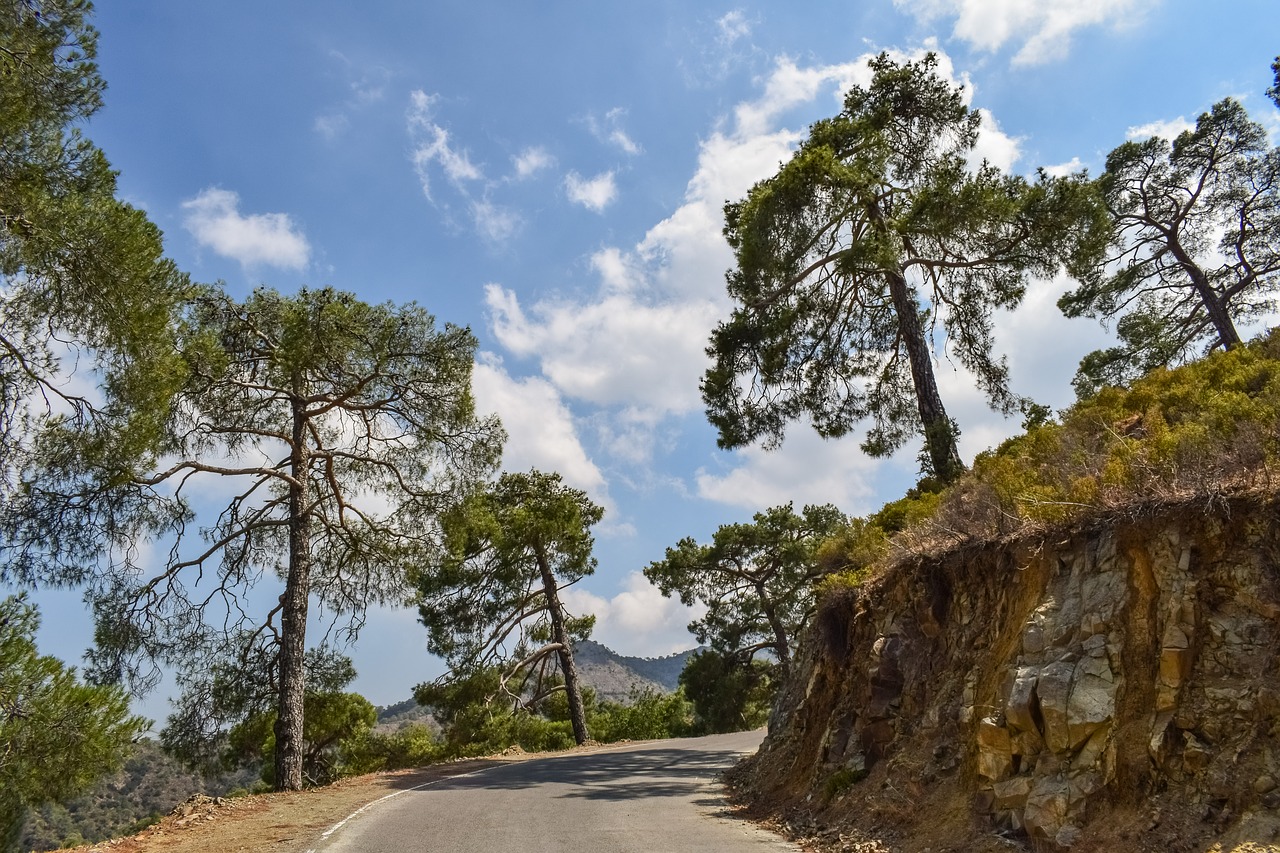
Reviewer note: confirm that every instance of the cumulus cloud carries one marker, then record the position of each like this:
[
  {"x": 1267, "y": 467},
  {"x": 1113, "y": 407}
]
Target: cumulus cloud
[
  {"x": 1043, "y": 28},
  {"x": 592, "y": 193},
  {"x": 638, "y": 620},
  {"x": 806, "y": 470},
  {"x": 614, "y": 350},
  {"x": 432, "y": 146},
  {"x": 1165, "y": 129},
  {"x": 494, "y": 222},
  {"x": 1061, "y": 170},
  {"x": 994, "y": 145},
  {"x": 531, "y": 161},
  {"x": 213, "y": 217},
  {"x": 540, "y": 428}
]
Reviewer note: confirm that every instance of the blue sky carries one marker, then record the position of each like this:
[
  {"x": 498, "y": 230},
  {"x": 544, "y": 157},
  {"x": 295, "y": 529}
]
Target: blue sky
[{"x": 552, "y": 175}]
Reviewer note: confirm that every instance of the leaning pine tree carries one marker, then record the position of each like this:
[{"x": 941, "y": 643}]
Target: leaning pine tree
[
  {"x": 879, "y": 229},
  {"x": 491, "y": 595}
]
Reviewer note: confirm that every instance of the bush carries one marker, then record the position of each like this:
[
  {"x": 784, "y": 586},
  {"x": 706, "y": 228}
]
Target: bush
[{"x": 647, "y": 715}]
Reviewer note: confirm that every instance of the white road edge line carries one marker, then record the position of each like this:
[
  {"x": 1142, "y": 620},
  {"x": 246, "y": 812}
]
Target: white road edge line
[{"x": 324, "y": 836}]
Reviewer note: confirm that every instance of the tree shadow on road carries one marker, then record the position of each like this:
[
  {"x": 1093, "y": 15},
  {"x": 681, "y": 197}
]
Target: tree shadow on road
[{"x": 623, "y": 775}]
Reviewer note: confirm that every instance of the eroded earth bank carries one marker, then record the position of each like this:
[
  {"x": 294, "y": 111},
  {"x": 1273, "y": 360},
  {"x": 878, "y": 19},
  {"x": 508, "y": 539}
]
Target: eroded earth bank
[{"x": 1110, "y": 686}]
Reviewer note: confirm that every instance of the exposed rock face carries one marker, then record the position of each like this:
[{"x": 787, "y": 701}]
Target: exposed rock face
[{"x": 1069, "y": 674}]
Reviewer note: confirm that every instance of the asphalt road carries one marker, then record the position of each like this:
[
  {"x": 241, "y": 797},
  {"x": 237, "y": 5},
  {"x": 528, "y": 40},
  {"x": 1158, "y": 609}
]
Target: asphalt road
[{"x": 652, "y": 797}]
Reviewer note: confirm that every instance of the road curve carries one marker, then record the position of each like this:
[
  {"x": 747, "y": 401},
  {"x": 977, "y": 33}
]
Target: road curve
[{"x": 651, "y": 797}]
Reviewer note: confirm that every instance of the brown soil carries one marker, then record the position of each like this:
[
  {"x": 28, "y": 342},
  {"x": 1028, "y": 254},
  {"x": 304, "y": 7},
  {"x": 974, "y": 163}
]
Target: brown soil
[{"x": 893, "y": 811}]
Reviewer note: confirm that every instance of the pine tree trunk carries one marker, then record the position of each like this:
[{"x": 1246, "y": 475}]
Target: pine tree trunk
[
  {"x": 781, "y": 645},
  {"x": 577, "y": 713},
  {"x": 1213, "y": 303},
  {"x": 939, "y": 433},
  {"x": 293, "y": 617}
]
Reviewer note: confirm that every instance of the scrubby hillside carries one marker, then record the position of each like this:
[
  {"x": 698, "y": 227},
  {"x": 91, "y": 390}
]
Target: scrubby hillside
[
  {"x": 148, "y": 786},
  {"x": 1076, "y": 646}
]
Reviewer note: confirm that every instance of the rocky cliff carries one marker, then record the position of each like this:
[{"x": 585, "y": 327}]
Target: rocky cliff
[{"x": 1109, "y": 686}]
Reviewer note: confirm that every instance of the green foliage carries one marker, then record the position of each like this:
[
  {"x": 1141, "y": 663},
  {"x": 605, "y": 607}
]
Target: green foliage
[
  {"x": 146, "y": 788},
  {"x": 840, "y": 781},
  {"x": 413, "y": 745},
  {"x": 728, "y": 694},
  {"x": 755, "y": 579},
  {"x": 57, "y": 734},
  {"x": 334, "y": 737},
  {"x": 829, "y": 324},
  {"x": 474, "y": 725},
  {"x": 77, "y": 265},
  {"x": 344, "y": 428},
  {"x": 490, "y": 595},
  {"x": 1196, "y": 247},
  {"x": 646, "y": 715},
  {"x": 1205, "y": 428},
  {"x": 1274, "y": 92}
]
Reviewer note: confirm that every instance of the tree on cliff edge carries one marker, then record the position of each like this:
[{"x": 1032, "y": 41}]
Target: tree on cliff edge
[
  {"x": 1196, "y": 249},
  {"x": 875, "y": 232},
  {"x": 755, "y": 579}
]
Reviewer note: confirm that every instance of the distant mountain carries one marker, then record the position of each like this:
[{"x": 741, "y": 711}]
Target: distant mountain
[
  {"x": 614, "y": 676},
  {"x": 611, "y": 675}
]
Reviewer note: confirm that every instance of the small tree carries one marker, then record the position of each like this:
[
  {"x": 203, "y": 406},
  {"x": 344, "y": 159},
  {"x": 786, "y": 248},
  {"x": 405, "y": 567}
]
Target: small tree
[
  {"x": 728, "y": 694},
  {"x": 57, "y": 735},
  {"x": 339, "y": 429},
  {"x": 755, "y": 579},
  {"x": 877, "y": 210},
  {"x": 1196, "y": 248},
  {"x": 334, "y": 726},
  {"x": 491, "y": 597}
]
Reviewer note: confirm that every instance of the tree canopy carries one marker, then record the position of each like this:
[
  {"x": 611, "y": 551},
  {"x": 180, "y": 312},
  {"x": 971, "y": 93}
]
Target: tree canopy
[
  {"x": 491, "y": 597},
  {"x": 880, "y": 208},
  {"x": 1196, "y": 249},
  {"x": 755, "y": 579},
  {"x": 57, "y": 734},
  {"x": 331, "y": 430},
  {"x": 86, "y": 289}
]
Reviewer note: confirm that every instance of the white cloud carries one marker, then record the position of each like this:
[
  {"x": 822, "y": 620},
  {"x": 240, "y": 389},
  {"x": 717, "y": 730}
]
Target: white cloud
[
  {"x": 612, "y": 351},
  {"x": 432, "y": 146},
  {"x": 789, "y": 86},
  {"x": 592, "y": 193},
  {"x": 1165, "y": 129},
  {"x": 1061, "y": 170},
  {"x": 366, "y": 85},
  {"x": 806, "y": 469},
  {"x": 610, "y": 131},
  {"x": 540, "y": 429},
  {"x": 1044, "y": 27},
  {"x": 331, "y": 125},
  {"x": 494, "y": 222},
  {"x": 214, "y": 219},
  {"x": 531, "y": 161},
  {"x": 994, "y": 145},
  {"x": 733, "y": 26},
  {"x": 637, "y": 621}
]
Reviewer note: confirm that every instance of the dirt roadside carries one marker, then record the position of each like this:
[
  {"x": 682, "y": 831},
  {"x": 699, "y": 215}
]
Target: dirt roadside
[{"x": 290, "y": 822}]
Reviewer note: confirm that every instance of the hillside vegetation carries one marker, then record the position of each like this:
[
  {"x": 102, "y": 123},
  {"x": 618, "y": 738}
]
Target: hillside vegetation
[
  {"x": 1202, "y": 431},
  {"x": 1073, "y": 645}
]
